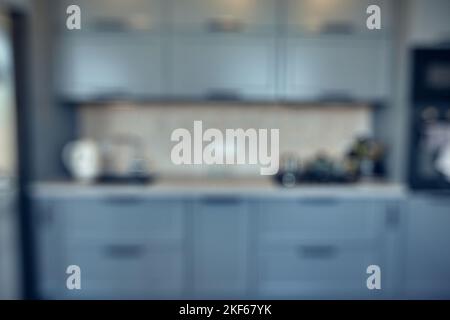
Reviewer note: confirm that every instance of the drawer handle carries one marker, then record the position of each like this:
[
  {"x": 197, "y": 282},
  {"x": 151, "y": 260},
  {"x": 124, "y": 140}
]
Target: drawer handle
[
  {"x": 123, "y": 200},
  {"x": 120, "y": 251},
  {"x": 224, "y": 95},
  {"x": 224, "y": 25},
  {"x": 318, "y": 251},
  {"x": 319, "y": 201},
  {"x": 221, "y": 201}
]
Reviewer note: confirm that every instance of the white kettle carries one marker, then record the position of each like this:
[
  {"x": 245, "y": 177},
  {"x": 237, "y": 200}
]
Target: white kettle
[{"x": 82, "y": 159}]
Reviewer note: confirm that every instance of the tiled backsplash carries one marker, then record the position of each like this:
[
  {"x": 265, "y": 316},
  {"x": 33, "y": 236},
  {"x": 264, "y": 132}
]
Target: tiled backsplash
[{"x": 304, "y": 130}]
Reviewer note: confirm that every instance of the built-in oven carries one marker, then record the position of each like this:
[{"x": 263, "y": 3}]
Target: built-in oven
[{"x": 430, "y": 121}]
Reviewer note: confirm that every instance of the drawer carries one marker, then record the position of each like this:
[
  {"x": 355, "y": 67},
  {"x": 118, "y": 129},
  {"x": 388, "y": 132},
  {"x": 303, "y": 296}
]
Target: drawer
[
  {"x": 127, "y": 270},
  {"x": 315, "y": 271},
  {"x": 123, "y": 218},
  {"x": 320, "y": 219}
]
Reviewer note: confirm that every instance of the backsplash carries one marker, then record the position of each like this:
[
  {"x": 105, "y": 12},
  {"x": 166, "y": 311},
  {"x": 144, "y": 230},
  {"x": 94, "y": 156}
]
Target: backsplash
[{"x": 305, "y": 130}]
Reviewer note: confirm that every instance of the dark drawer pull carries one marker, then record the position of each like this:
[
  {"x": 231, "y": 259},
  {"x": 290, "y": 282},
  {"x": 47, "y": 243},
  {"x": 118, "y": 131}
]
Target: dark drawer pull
[
  {"x": 221, "y": 201},
  {"x": 121, "y": 251},
  {"x": 319, "y": 201},
  {"x": 123, "y": 200},
  {"x": 224, "y": 95},
  {"x": 318, "y": 251},
  {"x": 221, "y": 25}
]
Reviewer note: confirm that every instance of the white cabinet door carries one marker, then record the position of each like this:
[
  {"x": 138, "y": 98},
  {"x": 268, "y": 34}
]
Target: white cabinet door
[
  {"x": 427, "y": 254},
  {"x": 337, "y": 68},
  {"x": 220, "y": 231},
  {"x": 223, "y": 67}
]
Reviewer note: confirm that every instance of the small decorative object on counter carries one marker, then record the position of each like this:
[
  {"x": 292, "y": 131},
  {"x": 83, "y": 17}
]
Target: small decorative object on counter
[
  {"x": 366, "y": 158},
  {"x": 82, "y": 159},
  {"x": 289, "y": 170}
]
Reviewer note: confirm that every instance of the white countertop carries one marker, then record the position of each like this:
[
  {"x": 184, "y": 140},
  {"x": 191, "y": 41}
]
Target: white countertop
[{"x": 192, "y": 187}]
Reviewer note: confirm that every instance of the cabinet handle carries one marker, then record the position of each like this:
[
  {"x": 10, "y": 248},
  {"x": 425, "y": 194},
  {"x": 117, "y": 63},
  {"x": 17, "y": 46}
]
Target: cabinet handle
[
  {"x": 318, "y": 251},
  {"x": 224, "y": 25},
  {"x": 121, "y": 251},
  {"x": 123, "y": 200},
  {"x": 337, "y": 96},
  {"x": 319, "y": 201},
  {"x": 224, "y": 95},
  {"x": 221, "y": 201}
]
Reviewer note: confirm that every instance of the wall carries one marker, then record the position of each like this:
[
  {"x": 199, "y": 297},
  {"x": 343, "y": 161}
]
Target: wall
[{"x": 304, "y": 130}]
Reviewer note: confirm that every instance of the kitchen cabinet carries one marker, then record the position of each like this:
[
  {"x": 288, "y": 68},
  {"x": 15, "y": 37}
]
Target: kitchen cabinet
[
  {"x": 113, "y": 15},
  {"x": 223, "y": 50},
  {"x": 50, "y": 266},
  {"x": 220, "y": 248},
  {"x": 321, "y": 248},
  {"x": 126, "y": 247},
  {"x": 9, "y": 248},
  {"x": 329, "y": 54},
  {"x": 427, "y": 263},
  {"x": 217, "y": 245},
  {"x": 225, "y": 67},
  {"x": 336, "y": 68},
  {"x": 335, "y": 16},
  {"x": 428, "y": 23},
  {"x": 245, "y": 16},
  {"x": 109, "y": 65}
]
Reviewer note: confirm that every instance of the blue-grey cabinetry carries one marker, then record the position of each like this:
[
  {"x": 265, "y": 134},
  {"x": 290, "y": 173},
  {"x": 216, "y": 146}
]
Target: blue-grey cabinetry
[
  {"x": 117, "y": 53},
  {"x": 320, "y": 248},
  {"x": 223, "y": 50},
  {"x": 220, "y": 247},
  {"x": 126, "y": 247},
  {"x": 330, "y": 54},
  {"x": 427, "y": 263}
]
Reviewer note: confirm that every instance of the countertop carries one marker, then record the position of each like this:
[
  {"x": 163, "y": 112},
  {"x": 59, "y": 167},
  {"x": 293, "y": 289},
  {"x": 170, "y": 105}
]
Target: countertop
[{"x": 196, "y": 187}]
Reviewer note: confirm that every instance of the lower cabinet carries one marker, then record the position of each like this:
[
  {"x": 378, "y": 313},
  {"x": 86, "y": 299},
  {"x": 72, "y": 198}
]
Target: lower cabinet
[
  {"x": 427, "y": 263},
  {"x": 217, "y": 246},
  {"x": 316, "y": 271},
  {"x": 127, "y": 270},
  {"x": 125, "y": 247},
  {"x": 220, "y": 247},
  {"x": 321, "y": 248}
]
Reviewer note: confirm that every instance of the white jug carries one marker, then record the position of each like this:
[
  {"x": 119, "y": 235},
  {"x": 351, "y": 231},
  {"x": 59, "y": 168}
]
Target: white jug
[{"x": 82, "y": 159}]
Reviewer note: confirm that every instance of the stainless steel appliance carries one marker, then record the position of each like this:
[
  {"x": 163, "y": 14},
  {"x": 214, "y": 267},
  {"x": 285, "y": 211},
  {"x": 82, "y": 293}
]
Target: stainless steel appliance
[{"x": 430, "y": 126}]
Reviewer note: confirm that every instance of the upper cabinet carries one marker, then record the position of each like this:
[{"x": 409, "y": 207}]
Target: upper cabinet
[
  {"x": 229, "y": 16},
  {"x": 95, "y": 66},
  {"x": 223, "y": 50},
  {"x": 336, "y": 69},
  {"x": 330, "y": 54},
  {"x": 429, "y": 22},
  {"x": 235, "y": 50},
  {"x": 115, "y": 15},
  {"x": 334, "y": 16},
  {"x": 223, "y": 68},
  {"x": 116, "y": 54}
]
